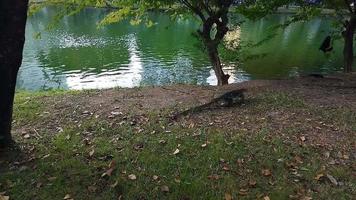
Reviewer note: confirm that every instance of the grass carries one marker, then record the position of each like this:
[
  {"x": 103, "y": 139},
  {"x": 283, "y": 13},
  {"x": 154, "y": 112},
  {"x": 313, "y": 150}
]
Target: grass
[{"x": 212, "y": 163}]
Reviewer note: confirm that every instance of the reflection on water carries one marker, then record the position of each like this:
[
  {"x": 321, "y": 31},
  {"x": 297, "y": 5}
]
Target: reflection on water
[
  {"x": 129, "y": 75},
  {"x": 78, "y": 55}
]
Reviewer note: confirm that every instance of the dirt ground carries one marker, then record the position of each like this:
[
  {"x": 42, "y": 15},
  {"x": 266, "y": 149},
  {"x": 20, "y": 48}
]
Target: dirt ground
[{"x": 328, "y": 93}]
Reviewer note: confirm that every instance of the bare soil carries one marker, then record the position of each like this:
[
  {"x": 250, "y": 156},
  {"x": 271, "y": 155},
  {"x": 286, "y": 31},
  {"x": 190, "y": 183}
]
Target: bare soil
[{"x": 332, "y": 92}]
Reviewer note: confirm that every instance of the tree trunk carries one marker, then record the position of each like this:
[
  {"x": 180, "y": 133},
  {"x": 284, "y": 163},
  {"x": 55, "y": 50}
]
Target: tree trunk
[
  {"x": 223, "y": 79},
  {"x": 213, "y": 19},
  {"x": 348, "y": 46},
  {"x": 13, "y": 16}
]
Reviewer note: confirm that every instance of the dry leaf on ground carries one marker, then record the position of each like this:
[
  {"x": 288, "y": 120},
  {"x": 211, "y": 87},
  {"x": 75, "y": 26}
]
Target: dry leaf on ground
[
  {"x": 165, "y": 188},
  {"x": 228, "y": 196},
  {"x": 266, "y": 172},
  {"x": 176, "y": 152},
  {"x": 3, "y": 197},
  {"x": 132, "y": 177},
  {"x": 110, "y": 170}
]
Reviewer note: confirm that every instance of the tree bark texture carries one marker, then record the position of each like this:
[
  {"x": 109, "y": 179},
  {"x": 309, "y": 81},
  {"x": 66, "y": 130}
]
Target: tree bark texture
[{"x": 13, "y": 16}]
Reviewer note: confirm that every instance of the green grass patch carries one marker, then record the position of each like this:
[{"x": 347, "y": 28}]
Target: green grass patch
[{"x": 211, "y": 162}]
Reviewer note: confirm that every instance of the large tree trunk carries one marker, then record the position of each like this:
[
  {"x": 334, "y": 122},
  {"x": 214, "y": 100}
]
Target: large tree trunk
[
  {"x": 13, "y": 15},
  {"x": 348, "y": 46},
  {"x": 223, "y": 79},
  {"x": 216, "y": 18},
  {"x": 212, "y": 44}
]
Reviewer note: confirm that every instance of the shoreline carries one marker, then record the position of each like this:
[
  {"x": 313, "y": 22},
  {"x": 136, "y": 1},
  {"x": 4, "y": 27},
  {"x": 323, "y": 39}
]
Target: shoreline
[{"x": 337, "y": 75}]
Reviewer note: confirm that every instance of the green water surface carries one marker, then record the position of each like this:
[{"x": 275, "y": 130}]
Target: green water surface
[{"x": 76, "y": 54}]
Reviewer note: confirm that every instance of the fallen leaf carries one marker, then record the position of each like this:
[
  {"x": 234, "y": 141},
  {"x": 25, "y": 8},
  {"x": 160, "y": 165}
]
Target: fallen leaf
[
  {"x": 229, "y": 143},
  {"x": 302, "y": 138},
  {"x": 3, "y": 197},
  {"x": 214, "y": 177},
  {"x": 228, "y": 196},
  {"x": 332, "y": 179},
  {"x": 112, "y": 164},
  {"x": 177, "y": 179},
  {"x": 39, "y": 184},
  {"x": 240, "y": 161},
  {"x": 27, "y": 136},
  {"x": 86, "y": 112},
  {"x": 327, "y": 154},
  {"x": 132, "y": 177},
  {"x": 115, "y": 184},
  {"x": 162, "y": 141},
  {"x": 155, "y": 177},
  {"x": 266, "y": 172},
  {"x": 271, "y": 182},
  {"x": 165, "y": 188},
  {"x": 91, "y": 153},
  {"x": 60, "y": 129},
  {"x": 116, "y": 113},
  {"x": 346, "y": 157},
  {"x": 226, "y": 168},
  {"x": 243, "y": 192},
  {"x": 204, "y": 145},
  {"x": 196, "y": 134},
  {"x": 67, "y": 196},
  {"x": 252, "y": 183},
  {"x": 52, "y": 178},
  {"x": 87, "y": 141},
  {"x": 176, "y": 152},
  {"x": 298, "y": 159},
  {"x": 191, "y": 125},
  {"x": 110, "y": 170},
  {"x": 318, "y": 177},
  {"x": 138, "y": 146},
  {"x": 266, "y": 198}
]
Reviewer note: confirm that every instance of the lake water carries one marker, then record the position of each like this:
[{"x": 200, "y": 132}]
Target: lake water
[{"x": 78, "y": 55}]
